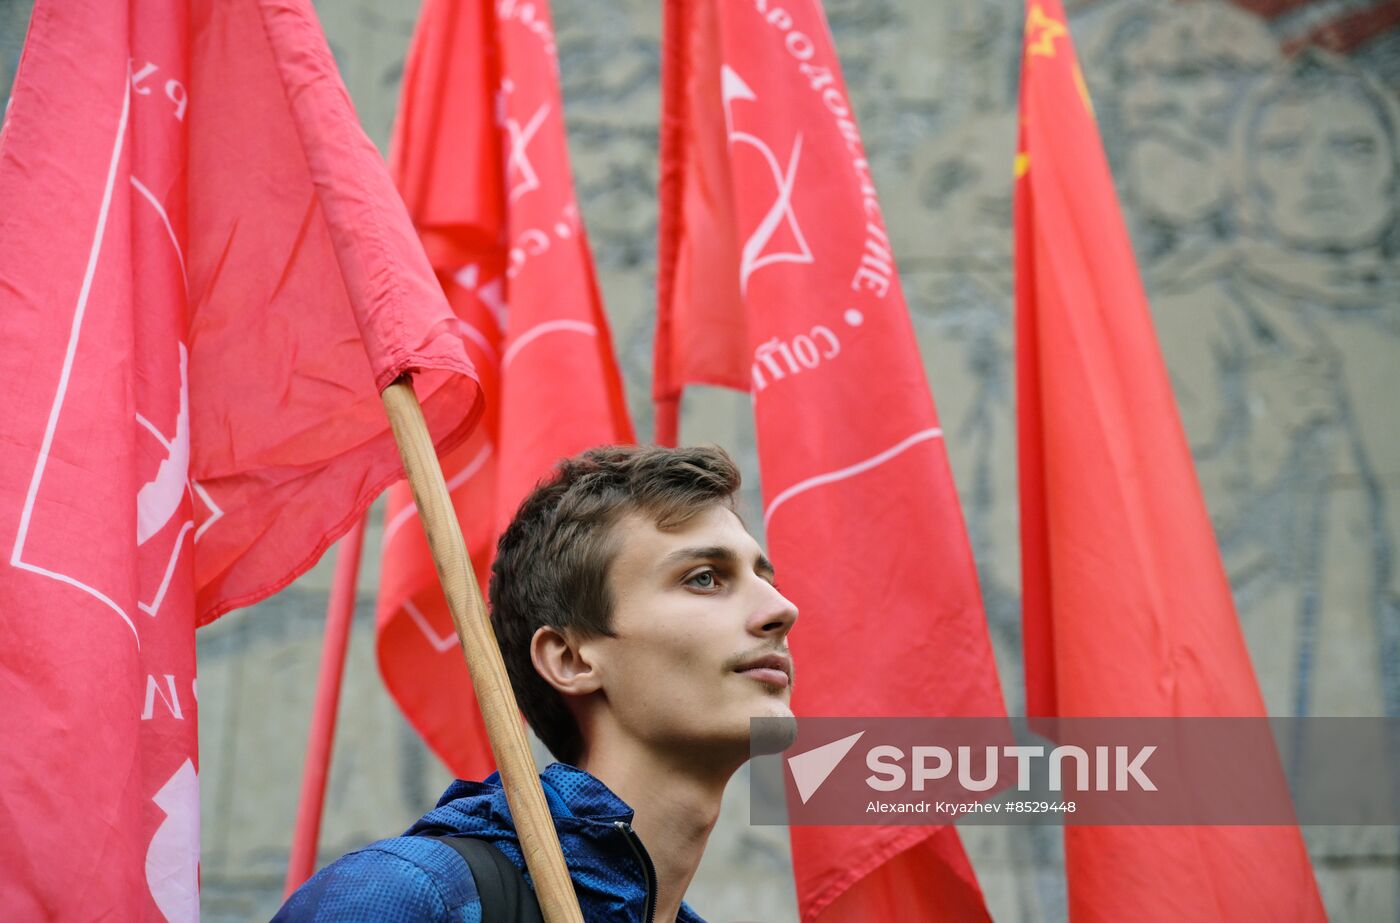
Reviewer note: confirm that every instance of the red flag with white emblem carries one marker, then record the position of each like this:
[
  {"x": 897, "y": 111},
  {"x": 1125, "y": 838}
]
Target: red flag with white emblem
[
  {"x": 777, "y": 278},
  {"x": 1127, "y": 608},
  {"x": 479, "y": 154},
  {"x": 206, "y": 276}
]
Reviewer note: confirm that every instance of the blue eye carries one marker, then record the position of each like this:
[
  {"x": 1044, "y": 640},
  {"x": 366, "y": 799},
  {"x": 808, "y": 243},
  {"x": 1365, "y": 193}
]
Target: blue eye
[{"x": 704, "y": 580}]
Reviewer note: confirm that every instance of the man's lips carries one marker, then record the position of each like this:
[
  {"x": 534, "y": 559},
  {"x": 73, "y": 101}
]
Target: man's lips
[{"x": 772, "y": 669}]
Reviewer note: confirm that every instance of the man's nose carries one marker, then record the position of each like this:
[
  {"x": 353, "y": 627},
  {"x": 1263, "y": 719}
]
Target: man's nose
[{"x": 774, "y": 615}]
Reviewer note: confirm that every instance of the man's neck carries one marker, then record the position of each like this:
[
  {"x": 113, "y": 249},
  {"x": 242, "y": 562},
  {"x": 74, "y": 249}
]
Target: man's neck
[{"x": 676, "y": 808}]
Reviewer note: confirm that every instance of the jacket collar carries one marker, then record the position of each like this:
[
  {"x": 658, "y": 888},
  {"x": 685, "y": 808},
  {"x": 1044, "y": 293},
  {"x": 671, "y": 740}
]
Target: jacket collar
[
  {"x": 570, "y": 792},
  {"x": 605, "y": 872}
]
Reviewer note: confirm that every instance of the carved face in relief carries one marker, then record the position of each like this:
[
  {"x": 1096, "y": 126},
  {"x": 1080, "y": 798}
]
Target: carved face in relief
[
  {"x": 1323, "y": 165},
  {"x": 1170, "y": 74},
  {"x": 1176, "y": 163}
]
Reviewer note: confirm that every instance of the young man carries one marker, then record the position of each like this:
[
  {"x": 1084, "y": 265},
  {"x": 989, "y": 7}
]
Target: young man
[{"x": 642, "y": 631}]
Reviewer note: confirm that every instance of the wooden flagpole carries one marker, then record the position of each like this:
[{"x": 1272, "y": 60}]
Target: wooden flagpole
[
  {"x": 340, "y": 610},
  {"x": 539, "y": 841}
]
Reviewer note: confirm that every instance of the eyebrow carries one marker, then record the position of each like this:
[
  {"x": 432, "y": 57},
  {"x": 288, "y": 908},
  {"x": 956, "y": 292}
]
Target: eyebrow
[{"x": 718, "y": 554}]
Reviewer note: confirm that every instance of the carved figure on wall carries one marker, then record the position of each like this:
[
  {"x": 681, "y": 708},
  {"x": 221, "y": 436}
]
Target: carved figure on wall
[
  {"x": 1262, "y": 202},
  {"x": 1168, "y": 79},
  {"x": 1320, "y": 173}
]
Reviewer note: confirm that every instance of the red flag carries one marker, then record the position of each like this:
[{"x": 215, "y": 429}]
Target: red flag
[
  {"x": 197, "y": 248},
  {"x": 479, "y": 154},
  {"x": 1126, "y": 605},
  {"x": 777, "y": 278}
]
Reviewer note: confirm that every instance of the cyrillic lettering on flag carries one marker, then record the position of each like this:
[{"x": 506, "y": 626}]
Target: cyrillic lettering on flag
[
  {"x": 777, "y": 277},
  {"x": 205, "y": 277},
  {"x": 479, "y": 152}
]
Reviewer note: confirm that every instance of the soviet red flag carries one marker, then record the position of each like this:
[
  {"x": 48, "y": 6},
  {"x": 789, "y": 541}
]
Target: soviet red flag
[
  {"x": 776, "y": 278},
  {"x": 205, "y": 278},
  {"x": 479, "y": 154},
  {"x": 1127, "y": 609}
]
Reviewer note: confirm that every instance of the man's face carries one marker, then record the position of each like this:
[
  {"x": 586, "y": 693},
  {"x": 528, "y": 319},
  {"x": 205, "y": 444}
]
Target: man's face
[{"x": 700, "y": 631}]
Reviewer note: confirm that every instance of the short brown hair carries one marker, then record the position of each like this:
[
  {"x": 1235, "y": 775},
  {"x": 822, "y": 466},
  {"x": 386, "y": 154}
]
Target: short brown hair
[{"x": 552, "y": 561}]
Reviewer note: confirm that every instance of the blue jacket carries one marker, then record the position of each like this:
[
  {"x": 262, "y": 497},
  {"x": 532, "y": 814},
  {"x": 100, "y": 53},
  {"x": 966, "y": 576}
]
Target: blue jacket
[{"x": 413, "y": 878}]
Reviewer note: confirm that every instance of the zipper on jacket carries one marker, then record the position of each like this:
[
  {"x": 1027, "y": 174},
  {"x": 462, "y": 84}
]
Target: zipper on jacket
[{"x": 648, "y": 868}]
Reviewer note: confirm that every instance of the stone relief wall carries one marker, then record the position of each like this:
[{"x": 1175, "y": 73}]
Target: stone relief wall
[
  {"x": 1256, "y": 149},
  {"x": 1262, "y": 196}
]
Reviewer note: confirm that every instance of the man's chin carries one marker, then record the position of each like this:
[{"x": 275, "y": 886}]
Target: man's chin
[
  {"x": 772, "y": 733},
  {"x": 776, "y": 705}
]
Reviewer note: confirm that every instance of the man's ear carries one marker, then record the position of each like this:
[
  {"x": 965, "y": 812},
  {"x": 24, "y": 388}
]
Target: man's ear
[{"x": 559, "y": 657}]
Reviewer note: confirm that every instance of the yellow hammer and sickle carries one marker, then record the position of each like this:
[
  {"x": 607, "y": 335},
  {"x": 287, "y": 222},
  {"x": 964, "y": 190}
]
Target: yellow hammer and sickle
[{"x": 1041, "y": 32}]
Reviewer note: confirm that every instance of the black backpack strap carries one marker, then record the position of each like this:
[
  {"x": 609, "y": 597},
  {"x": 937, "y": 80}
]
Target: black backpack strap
[{"x": 505, "y": 895}]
